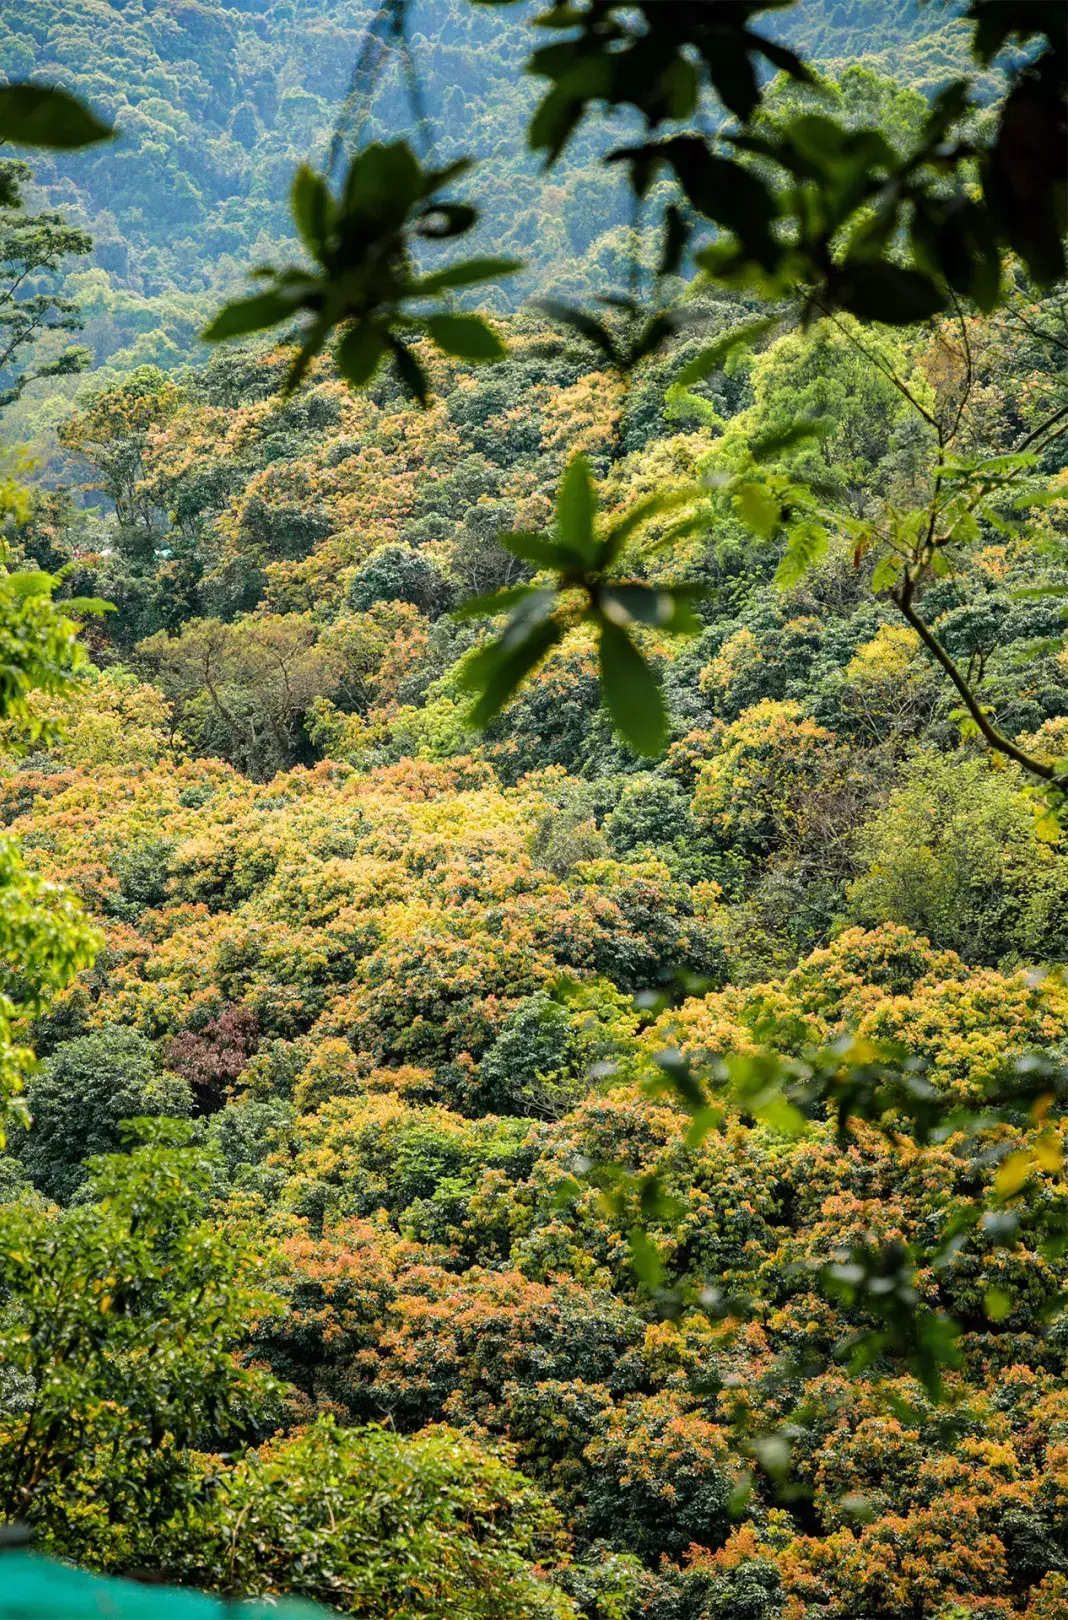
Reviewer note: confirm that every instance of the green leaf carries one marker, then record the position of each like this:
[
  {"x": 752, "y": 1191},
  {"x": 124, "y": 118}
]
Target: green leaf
[
  {"x": 1038, "y": 497},
  {"x": 703, "y": 1123},
  {"x": 740, "y": 1495},
  {"x": 677, "y": 232},
  {"x": 712, "y": 357},
  {"x": 535, "y": 549},
  {"x": 994, "y": 22},
  {"x": 497, "y": 670},
  {"x": 464, "y": 275},
  {"x": 314, "y": 343},
  {"x": 411, "y": 372},
  {"x": 312, "y": 207},
  {"x": 576, "y": 505},
  {"x": 592, "y": 330},
  {"x": 31, "y": 582},
  {"x": 358, "y": 354},
  {"x": 669, "y": 500},
  {"x": 758, "y": 508},
  {"x": 437, "y": 178},
  {"x": 806, "y": 544},
  {"x": 696, "y": 523},
  {"x": 964, "y": 528},
  {"x": 1015, "y": 1169},
  {"x": 772, "y": 1451},
  {"x": 40, "y": 115},
  {"x": 887, "y": 572},
  {"x": 682, "y": 620},
  {"x": 644, "y": 1258},
  {"x": 877, "y": 291},
  {"x": 665, "y": 609},
  {"x": 467, "y": 336},
  {"x": 494, "y": 602},
  {"x": 631, "y": 691},
  {"x": 725, "y": 191},
  {"x": 440, "y": 221},
  {"x": 781, "y": 1116},
  {"x": 652, "y": 337},
  {"x": 734, "y": 74},
  {"x": 1048, "y": 829},
  {"x": 382, "y": 183},
  {"x": 627, "y": 604},
  {"x": 773, "y": 444},
  {"x": 554, "y": 119},
  {"x": 997, "y": 1304},
  {"x": 249, "y": 315}
]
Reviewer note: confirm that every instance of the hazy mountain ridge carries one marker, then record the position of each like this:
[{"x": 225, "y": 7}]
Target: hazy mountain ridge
[{"x": 217, "y": 105}]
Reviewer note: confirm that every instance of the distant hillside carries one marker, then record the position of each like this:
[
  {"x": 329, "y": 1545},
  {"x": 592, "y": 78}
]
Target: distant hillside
[{"x": 216, "y": 105}]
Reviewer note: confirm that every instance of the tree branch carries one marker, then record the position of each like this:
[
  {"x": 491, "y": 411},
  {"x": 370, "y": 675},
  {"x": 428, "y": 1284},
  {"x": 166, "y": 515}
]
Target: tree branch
[{"x": 995, "y": 738}]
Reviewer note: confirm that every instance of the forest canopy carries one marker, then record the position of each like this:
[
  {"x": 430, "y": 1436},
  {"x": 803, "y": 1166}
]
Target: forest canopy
[{"x": 534, "y": 776}]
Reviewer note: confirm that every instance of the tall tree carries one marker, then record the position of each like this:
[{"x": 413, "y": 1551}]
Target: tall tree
[
  {"x": 44, "y": 936},
  {"x": 34, "y": 248}
]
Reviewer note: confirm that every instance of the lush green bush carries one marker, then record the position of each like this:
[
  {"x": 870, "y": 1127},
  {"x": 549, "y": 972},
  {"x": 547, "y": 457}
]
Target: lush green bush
[
  {"x": 376, "y": 1524},
  {"x": 954, "y": 855},
  {"x": 538, "y": 1064},
  {"x": 399, "y": 574},
  {"x": 118, "y": 1323},
  {"x": 80, "y": 1099}
]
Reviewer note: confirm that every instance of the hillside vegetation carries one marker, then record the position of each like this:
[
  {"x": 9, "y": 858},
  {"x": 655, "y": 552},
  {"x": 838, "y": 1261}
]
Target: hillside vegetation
[
  {"x": 216, "y": 105},
  {"x": 490, "y": 1157},
  {"x": 376, "y": 959}
]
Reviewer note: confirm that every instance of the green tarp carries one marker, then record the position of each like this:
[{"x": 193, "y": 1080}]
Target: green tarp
[{"x": 36, "y": 1588}]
